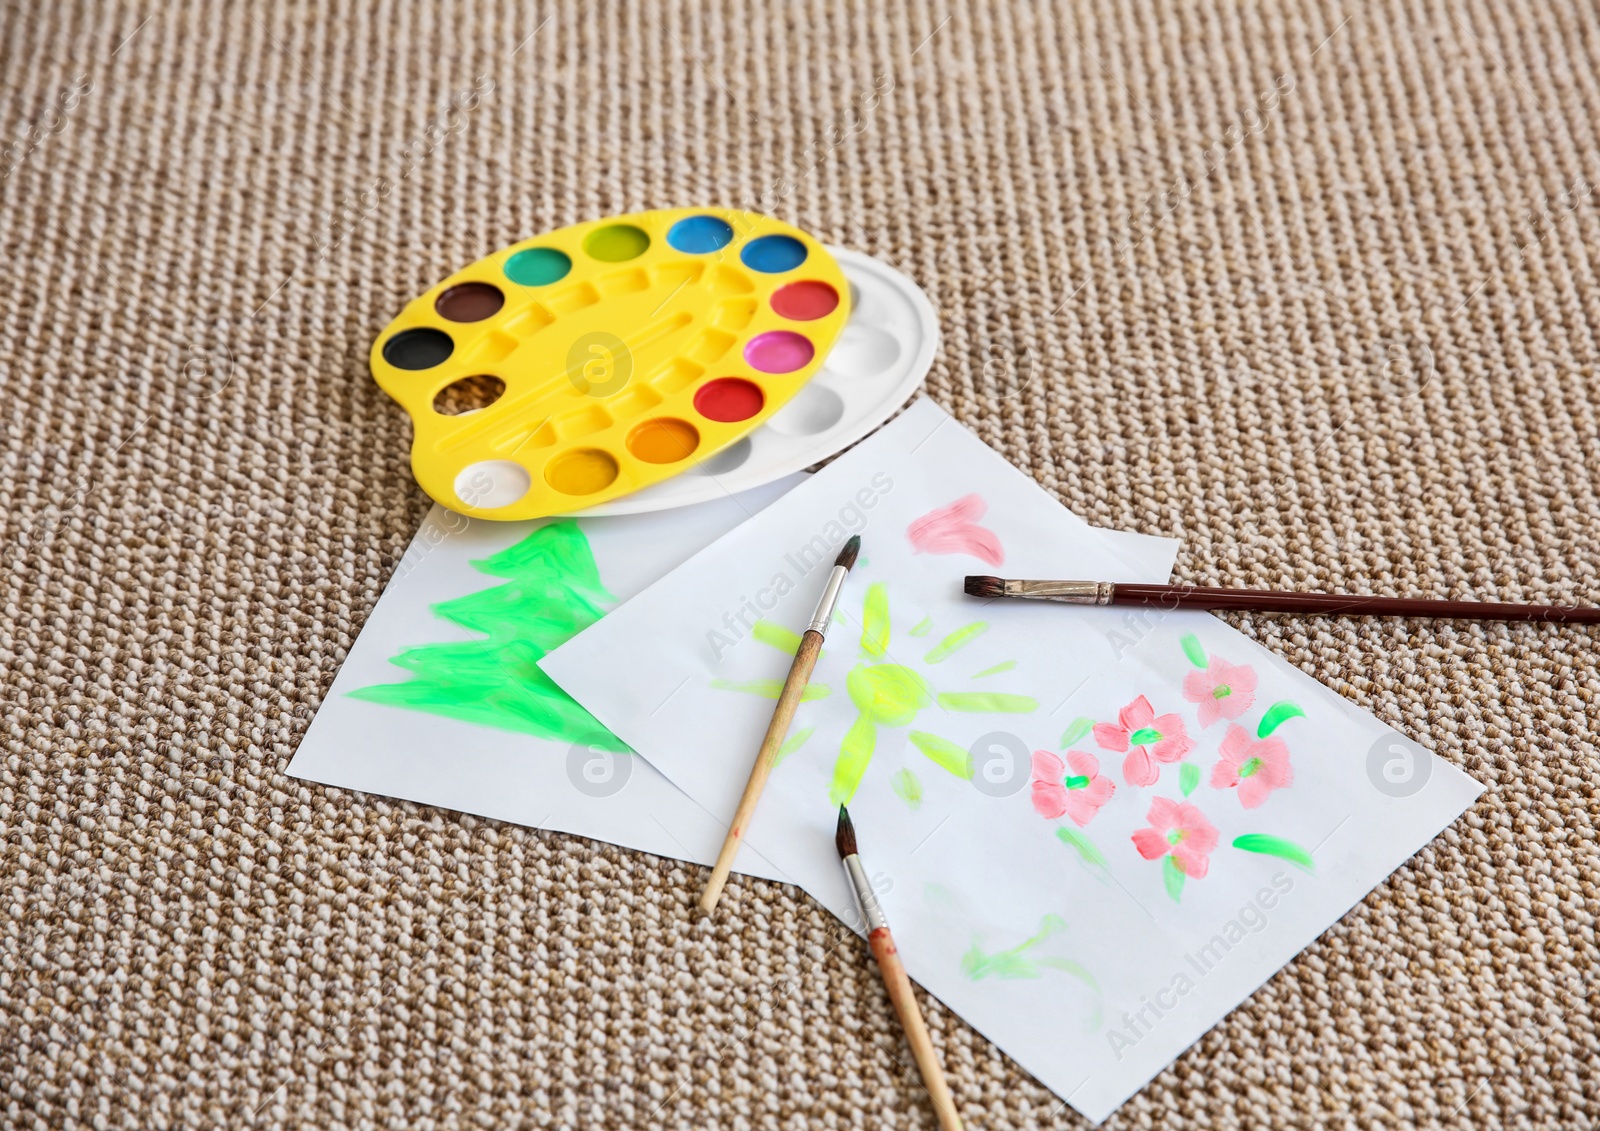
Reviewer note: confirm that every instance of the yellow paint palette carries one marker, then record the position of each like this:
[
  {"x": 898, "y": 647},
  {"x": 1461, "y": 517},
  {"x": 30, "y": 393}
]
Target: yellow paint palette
[{"x": 578, "y": 366}]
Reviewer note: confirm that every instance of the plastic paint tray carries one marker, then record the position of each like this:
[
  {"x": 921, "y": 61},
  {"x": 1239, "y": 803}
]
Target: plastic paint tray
[
  {"x": 607, "y": 356},
  {"x": 880, "y": 359}
]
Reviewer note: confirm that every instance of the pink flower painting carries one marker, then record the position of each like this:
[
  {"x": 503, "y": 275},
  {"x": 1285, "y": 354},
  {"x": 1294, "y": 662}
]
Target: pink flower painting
[
  {"x": 1222, "y": 690},
  {"x": 1147, "y": 738},
  {"x": 954, "y": 530},
  {"x": 1075, "y": 790},
  {"x": 1255, "y": 766},
  {"x": 1179, "y": 830}
]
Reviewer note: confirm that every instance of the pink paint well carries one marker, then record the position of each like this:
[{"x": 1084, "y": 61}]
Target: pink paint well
[{"x": 779, "y": 351}]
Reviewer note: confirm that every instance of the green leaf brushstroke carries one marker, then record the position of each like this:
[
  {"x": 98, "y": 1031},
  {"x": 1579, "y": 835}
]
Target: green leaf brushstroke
[
  {"x": 855, "y": 753},
  {"x": 1015, "y": 963},
  {"x": 771, "y": 688},
  {"x": 783, "y": 639},
  {"x": 1188, "y": 778},
  {"x": 1079, "y": 728},
  {"x": 1085, "y": 848},
  {"x": 552, "y": 592},
  {"x": 875, "y": 620},
  {"x": 992, "y": 702},
  {"x": 1276, "y": 846},
  {"x": 943, "y": 752},
  {"x": 908, "y": 787},
  {"x": 1012, "y": 962},
  {"x": 1173, "y": 877},
  {"x": 794, "y": 742},
  {"x": 1002, "y": 666},
  {"x": 957, "y": 639},
  {"x": 1192, "y": 649},
  {"x": 1278, "y": 714},
  {"x": 924, "y": 626}
]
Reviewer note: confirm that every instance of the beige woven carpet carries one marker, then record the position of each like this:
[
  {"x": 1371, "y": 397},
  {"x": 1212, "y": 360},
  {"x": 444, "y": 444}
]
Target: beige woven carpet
[{"x": 1312, "y": 287}]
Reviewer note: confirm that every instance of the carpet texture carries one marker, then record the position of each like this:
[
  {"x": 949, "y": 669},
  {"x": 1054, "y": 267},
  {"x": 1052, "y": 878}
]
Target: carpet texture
[{"x": 1312, "y": 287}]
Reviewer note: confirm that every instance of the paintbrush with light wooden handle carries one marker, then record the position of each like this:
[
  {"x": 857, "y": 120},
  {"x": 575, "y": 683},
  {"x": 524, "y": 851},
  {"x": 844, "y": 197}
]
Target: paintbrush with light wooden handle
[
  {"x": 1268, "y": 600},
  {"x": 805, "y": 658},
  {"x": 894, "y": 976}
]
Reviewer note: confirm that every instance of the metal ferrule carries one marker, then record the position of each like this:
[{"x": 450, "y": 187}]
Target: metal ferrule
[
  {"x": 867, "y": 899},
  {"x": 830, "y": 598},
  {"x": 1068, "y": 592}
]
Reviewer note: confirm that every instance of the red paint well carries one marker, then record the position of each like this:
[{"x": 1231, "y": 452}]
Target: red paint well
[
  {"x": 805, "y": 300},
  {"x": 729, "y": 399}
]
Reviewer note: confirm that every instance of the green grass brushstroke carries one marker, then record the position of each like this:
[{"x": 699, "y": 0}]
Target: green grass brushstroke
[
  {"x": 875, "y": 620},
  {"x": 1192, "y": 649},
  {"x": 908, "y": 787},
  {"x": 942, "y": 752},
  {"x": 993, "y": 702},
  {"x": 1173, "y": 877},
  {"x": 794, "y": 742},
  {"x": 771, "y": 688},
  {"x": 1002, "y": 666},
  {"x": 1079, "y": 728},
  {"x": 783, "y": 639},
  {"x": 955, "y": 641},
  {"x": 855, "y": 753},
  {"x": 1278, "y": 714},
  {"x": 1276, "y": 846}
]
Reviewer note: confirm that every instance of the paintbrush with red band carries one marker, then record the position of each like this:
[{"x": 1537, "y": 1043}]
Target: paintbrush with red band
[
  {"x": 1268, "y": 600},
  {"x": 805, "y": 658},
  {"x": 894, "y": 975}
]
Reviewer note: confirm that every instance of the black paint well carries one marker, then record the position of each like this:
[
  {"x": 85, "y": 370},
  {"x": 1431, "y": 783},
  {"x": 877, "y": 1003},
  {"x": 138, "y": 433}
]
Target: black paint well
[{"x": 420, "y": 348}]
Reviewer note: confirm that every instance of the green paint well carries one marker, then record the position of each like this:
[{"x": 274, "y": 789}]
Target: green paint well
[
  {"x": 957, "y": 639},
  {"x": 1002, "y": 666},
  {"x": 923, "y": 627},
  {"x": 552, "y": 592},
  {"x": 990, "y": 702},
  {"x": 1188, "y": 778},
  {"x": 1192, "y": 649},
  {"x": 794, "y": 742},
  {"x": 1276, "y": 846},
  {"x": 1278, "y": 714},
  {"x": 908, "y": 787},
  {"x": 875, "y": 620},
  {"x": 771, "y": 688},
  {"x": 775, "y": 635},
  {"x": 942, "y": 752},
  {"x": 1077, "y": 730}
]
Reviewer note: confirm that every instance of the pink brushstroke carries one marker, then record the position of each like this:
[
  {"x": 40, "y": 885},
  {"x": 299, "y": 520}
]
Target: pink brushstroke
[{"x": 954, "y": 530}]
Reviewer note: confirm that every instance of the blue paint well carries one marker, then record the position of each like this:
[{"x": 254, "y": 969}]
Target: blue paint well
[
  {"x": 697, "y": 235},
  {"x": 773, "y": 255}
]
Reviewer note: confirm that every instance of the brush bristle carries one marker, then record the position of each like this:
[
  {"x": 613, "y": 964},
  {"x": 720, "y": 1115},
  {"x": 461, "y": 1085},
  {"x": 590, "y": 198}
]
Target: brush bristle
[
  {"x": 847, "y": 556},
  {"x": 982, "y": 585},
  {"x": 844, "y": 837}
]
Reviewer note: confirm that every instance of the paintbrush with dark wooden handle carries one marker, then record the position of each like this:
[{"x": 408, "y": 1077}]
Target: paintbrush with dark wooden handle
[{"x": 1268, "y": 600}]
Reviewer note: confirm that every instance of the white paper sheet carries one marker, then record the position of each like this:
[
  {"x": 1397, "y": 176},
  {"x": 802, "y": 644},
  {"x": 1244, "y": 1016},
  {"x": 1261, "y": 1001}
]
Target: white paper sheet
[
  {"x": 569, "y": 784},
  {"x": 1017, "y": 882},
  {"x": 480, "y": 766}
]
